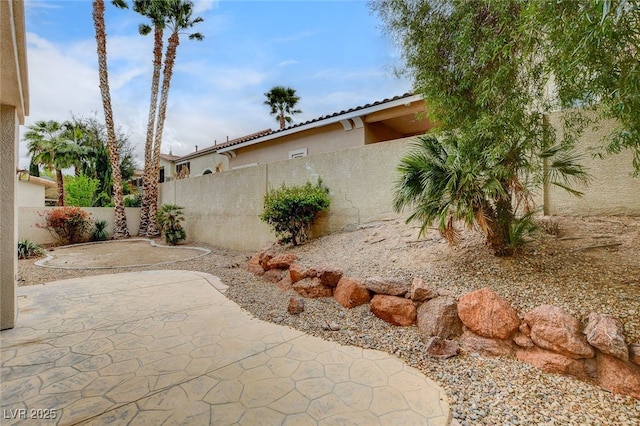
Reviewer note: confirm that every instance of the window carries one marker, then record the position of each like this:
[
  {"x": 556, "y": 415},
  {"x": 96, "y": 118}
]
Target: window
[
  {"x": 298, "y": 153},
  {"x": 182, "y": 170},
  {"x": 161, "y": 177}
]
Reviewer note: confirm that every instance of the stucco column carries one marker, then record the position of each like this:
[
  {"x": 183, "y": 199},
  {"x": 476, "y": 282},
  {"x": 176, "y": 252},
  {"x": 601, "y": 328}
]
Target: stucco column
[{"x": 8, "y": 216}]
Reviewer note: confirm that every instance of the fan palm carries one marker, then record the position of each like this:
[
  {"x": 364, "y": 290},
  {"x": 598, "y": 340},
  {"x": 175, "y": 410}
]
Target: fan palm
[
  {"x": 156, "y": 11},
  {"x": 179, "y": 19},
  {"x": 51, "y": 145},
  {"x": 120, "y": 229},
  {"x": 282, "y": 101}
]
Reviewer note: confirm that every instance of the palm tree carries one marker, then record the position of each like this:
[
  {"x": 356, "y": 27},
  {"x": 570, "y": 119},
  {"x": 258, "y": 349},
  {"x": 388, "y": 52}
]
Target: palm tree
[
  {"x": 282, "y": 101},
  {"x": 454, "y": 180},
  {"x": 51, "y": 145},
  {"x": 155, "y": 10},
  {"x": 179, "y": 18},
  {"x": 120, "y": 229}
]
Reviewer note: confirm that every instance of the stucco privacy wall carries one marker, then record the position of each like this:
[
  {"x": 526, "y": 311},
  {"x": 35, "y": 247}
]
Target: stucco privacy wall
[
  {"x": 223, "y": 208},
  {"x": 29, "y": 216},
  {"x": 611, "y": 190}
]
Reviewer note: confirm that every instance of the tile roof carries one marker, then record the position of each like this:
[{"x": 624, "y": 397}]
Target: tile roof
[{"x": 236, "y": 141}]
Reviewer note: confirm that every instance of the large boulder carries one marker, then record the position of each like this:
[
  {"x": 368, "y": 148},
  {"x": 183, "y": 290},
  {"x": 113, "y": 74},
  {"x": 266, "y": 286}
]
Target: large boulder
[
  {"x": 441, "y": 348},
  {"x": 618, "y": 376},
  {"x": 388, "y": 286},
  {"x": 420, "y": 291},
  {"x": 393, "y": 309},
  {"x": 285, "y": 284},
  {"x": 281, "y": 261},
  {"x": 274, "y": 275},
  {"x": 254, "y": 265},
  {"x": 485, "y": 346},
  {"x": 297, "y": 272},
  {"x": 312, "y": 288},
  {"x": 351, "y": 293},
  {"x": 554, "y": 329},
  {"x": 265, "y": 256},
  {"x": 329, "y": 275},
  {"x": 553, "y": 362},
  {"x": 606, "y": 333},
  {"x": 487, "y": 314},
  {"x": 439, "y": 317}
]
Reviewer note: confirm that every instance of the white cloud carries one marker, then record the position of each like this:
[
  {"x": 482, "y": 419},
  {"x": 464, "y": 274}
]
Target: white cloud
[
  {"x": 200, "y": 6},
  {"x": 287, "y": 63}
]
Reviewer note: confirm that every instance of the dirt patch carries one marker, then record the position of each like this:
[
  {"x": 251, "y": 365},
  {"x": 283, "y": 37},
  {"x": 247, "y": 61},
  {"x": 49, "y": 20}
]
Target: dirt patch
[{"x": 118, "y": 254}]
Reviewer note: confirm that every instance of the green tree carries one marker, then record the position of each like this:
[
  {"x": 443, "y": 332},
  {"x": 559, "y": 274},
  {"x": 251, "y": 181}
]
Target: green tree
[
  {"x": 282, "y": 101},
  {"x": 592, "y": 50},
  {"x": 50, "y": 144},
  {"x": 80, "y": 190},
  {"x": 484, "y": 84},
  {"x": 120, "y": 229},
  {"x": 156, "y": 11},
  {"x": 179, "y": 18}
]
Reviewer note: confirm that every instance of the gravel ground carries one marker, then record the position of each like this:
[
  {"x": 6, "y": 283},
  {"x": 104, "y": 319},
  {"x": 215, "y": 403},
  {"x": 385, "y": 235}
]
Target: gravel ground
[{"x": 590, "y": 265}]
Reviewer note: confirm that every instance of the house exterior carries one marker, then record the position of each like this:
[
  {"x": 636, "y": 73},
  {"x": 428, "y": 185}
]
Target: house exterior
[
  {"x": 389, "y": 119},
  {"x": 14, "y": 106},
  {"x": 35, "y": 191}
]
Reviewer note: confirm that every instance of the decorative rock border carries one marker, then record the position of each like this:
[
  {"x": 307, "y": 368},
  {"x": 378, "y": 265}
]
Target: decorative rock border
[{"x": 480, "y": 321}]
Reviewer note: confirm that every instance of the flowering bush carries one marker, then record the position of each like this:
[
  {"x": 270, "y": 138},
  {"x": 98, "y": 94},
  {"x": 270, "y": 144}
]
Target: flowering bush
[{"x": 68, "y": 225}]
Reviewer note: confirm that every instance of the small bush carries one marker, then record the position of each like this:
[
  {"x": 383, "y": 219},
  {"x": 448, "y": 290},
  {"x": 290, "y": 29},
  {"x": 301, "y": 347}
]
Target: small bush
[
  {"x": 291, "y": 210},
  {"x": 79, "y": 190},
  {"x": 68, "y": 225},
  {"x": 169, "y": 218},
  {"x": 28, "y": 249},
  {"x": 133, "y": 200},
  {"x": 99, "y": 232}
]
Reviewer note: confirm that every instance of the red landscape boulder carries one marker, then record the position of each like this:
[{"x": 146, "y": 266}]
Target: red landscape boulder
[
  {"x": 329, "y": 275},
  {"x": 618, "y": 376},
  {"x": 312, "y": 288},
  {"x": 552, "y": 362},
  {"x": 487, "y": 314},
  {"x": 274, "y": 275},
  {"x": 281, "y": 261},
  {"x": 606, "y": 333},
  {"x": 285, "y": 284},
  {"x": 393, "y": 309},
  {"x": 254, "y": 265},
  {"x": 485, "y": 346},
  {"x": 420, "y": 291},
  {"x": 634, "y": 353},
  {"x": 298, "y": 272},
  {"x": 296, "y": 305},
  {"x": 388, "y": 286},
  {"x": 439, "y": 317},
  {"x": 554, "y": 329},
  {"x": 351, "y": 293},
  {"x": 441, "y": 348},
  {"x": 265, "y": 256}
]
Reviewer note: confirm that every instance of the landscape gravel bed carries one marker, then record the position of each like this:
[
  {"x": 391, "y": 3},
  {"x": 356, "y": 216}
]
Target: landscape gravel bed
[{"x": 591, "y": 265}]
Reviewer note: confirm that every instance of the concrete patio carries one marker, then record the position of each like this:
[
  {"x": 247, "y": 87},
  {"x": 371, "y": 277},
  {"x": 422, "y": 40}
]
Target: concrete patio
[{"x": 167, "y": 347}]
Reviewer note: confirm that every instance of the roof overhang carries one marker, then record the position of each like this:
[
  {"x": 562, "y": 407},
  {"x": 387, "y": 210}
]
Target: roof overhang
[
  {"x": 14, "y": 87},
  {"x": 339, "y": 118}
]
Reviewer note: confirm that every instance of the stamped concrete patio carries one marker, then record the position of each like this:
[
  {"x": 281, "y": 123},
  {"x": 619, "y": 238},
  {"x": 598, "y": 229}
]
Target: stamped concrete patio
[{"x": 167, "y": 347}]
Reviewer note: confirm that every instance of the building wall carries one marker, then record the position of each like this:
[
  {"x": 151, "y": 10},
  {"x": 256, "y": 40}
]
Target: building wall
[
  {"x": 30, "y": 216},
  {"x": 317, "y": 141},
  {"x": 223, "y": 209},
  {"x": 210, "y": 161},
  {"x": 30, "y": 194},
  {"x": 8, "y": 215},
  {"x": 611, "y": 191}
]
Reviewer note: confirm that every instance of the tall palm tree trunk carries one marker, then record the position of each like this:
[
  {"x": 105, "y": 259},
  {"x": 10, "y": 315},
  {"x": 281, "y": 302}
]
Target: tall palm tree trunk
[
  {"x": 60, "y": 183},
  {"x": 120, "y": 229},
  {"x": 149, "y": 165},
  {"x": 174, "y": 41}
]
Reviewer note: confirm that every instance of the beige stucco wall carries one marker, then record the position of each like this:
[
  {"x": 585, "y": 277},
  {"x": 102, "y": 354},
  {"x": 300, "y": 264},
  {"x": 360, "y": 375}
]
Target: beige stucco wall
[
  {"x": 8, "y": 215},
  {"x": 317, "y": 141},
  {"x": 210, "y": 161},
  {"x": 222, "y": 209},
  {"x": 29, "y": 216},
  {"x": 30, "y": 194},
  {"x": 611, "y": 190}
]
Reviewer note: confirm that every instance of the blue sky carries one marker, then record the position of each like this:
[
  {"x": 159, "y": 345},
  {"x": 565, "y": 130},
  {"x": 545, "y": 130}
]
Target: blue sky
[{"x": 333, "y": 53}]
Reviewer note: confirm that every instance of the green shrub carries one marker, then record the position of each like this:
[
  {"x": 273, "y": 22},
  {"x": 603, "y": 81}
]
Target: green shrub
[
  {"x": 68, "y": 225},
  {"x": 99, "y": 232},
  {"x": 291, "y": 210},
  {"x": 169, "y": 218},
  {"x": 28, "y": 249},
  {"x": 133, "y": 200}
]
